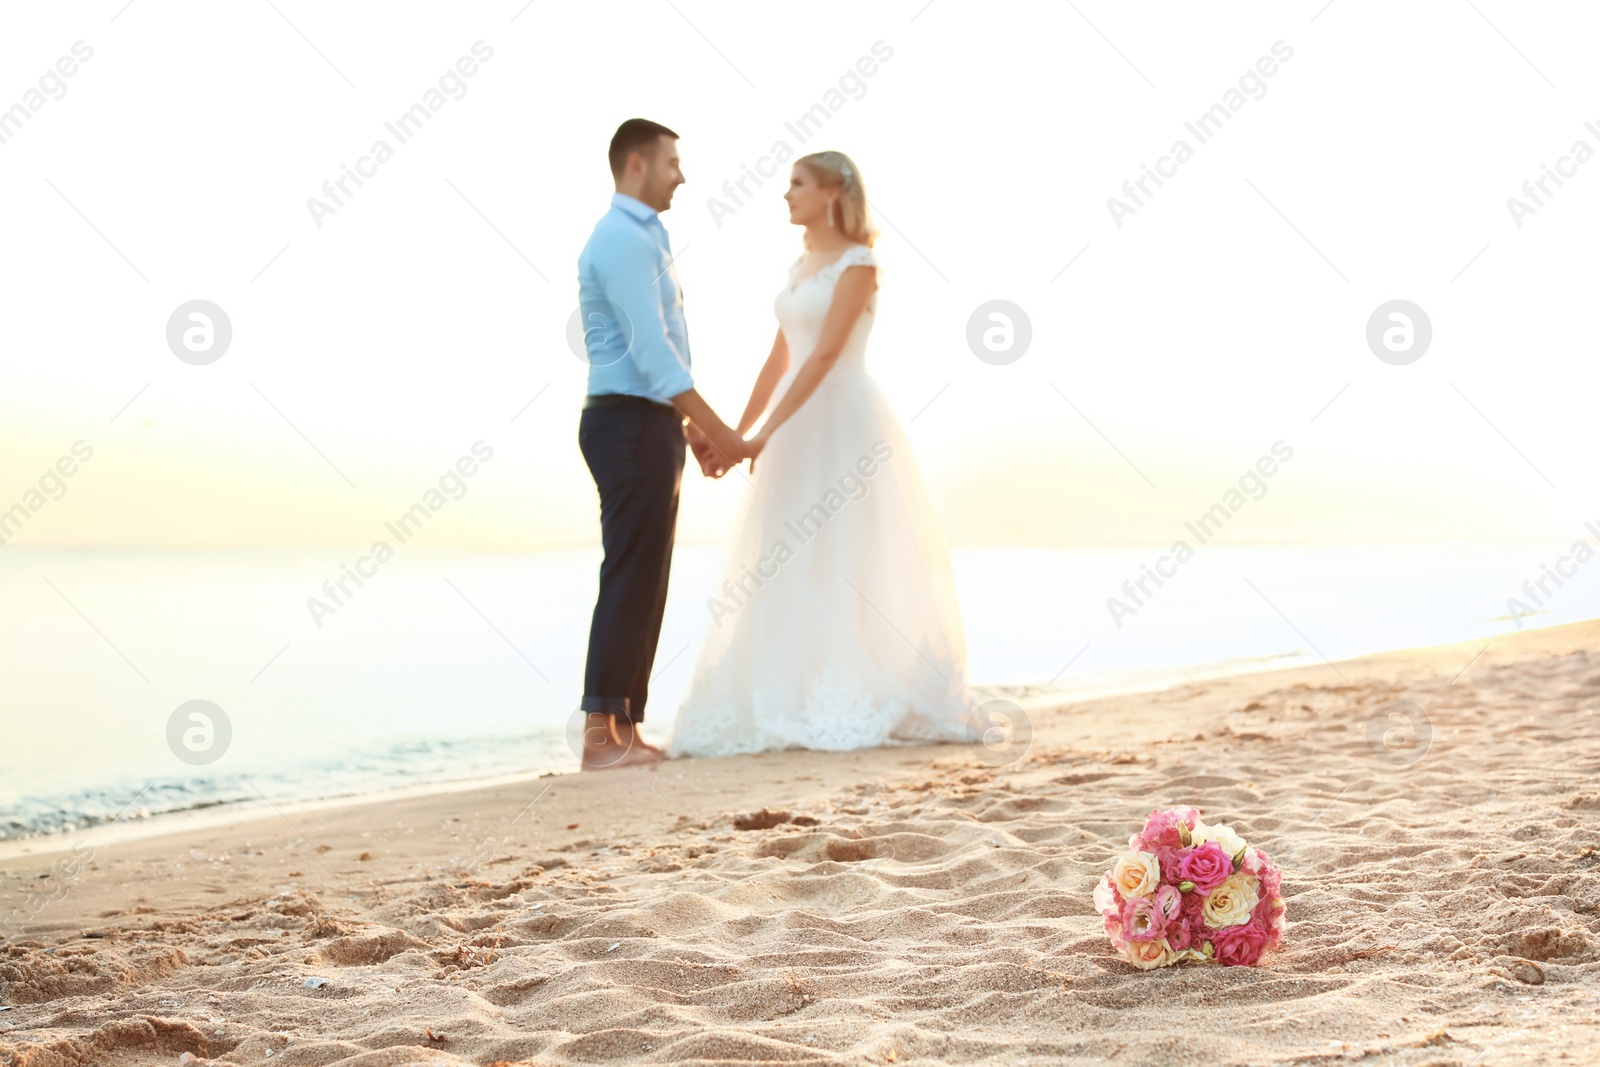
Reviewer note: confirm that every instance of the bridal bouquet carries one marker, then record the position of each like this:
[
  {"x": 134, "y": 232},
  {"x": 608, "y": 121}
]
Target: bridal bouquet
[{"x": 1188, "y": 891}]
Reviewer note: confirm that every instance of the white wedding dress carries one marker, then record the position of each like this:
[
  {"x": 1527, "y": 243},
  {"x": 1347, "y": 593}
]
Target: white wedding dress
[{"x": 837, "y": 626}]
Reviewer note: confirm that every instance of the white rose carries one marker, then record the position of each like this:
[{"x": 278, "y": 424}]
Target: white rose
[
  {"x": 1231, "y": 842},
  {"x": 1232, "y": 902}
]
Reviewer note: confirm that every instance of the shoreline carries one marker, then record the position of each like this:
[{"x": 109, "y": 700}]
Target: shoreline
[
  {"x": 210, "y": 816},
  {"x": 245, "y": 814}
]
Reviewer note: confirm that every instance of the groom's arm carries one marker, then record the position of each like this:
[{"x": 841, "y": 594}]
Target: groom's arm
[{"x": 729, "y": 446}]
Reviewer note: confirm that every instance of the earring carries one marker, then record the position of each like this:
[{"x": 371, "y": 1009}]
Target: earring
[{"x": 830, "y": 215}]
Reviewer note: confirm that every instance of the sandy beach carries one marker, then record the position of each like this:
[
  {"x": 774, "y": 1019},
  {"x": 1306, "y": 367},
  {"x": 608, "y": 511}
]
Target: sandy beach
[{"x": 905, "y": 905}]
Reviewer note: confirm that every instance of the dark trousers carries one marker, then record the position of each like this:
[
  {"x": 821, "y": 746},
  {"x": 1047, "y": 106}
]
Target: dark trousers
[{"x": 635, "y": 450}]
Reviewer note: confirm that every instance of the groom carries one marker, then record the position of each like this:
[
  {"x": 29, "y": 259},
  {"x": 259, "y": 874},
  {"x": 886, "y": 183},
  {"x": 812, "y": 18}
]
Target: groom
[{"x": 632, "y": 434}]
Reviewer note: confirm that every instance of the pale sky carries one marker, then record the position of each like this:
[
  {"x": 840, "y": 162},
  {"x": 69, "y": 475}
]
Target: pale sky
[{"x": 430, "y": 309}]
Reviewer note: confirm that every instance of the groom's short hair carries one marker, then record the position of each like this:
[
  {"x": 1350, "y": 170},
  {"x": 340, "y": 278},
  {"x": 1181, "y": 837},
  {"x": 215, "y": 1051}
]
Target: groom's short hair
[{"x": 635, "y": 135}]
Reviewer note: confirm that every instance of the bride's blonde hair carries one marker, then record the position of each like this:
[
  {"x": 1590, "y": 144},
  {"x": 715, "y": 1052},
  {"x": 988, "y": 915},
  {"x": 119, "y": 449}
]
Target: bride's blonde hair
[{"x": 850, "y": 214}]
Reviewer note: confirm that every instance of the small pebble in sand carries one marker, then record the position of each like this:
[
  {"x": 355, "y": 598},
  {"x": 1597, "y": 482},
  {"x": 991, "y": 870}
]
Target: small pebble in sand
[{"x": 1527, "y": 972}]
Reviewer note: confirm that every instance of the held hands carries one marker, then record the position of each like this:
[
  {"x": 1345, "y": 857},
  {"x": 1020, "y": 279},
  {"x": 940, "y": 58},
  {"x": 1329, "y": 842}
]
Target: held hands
[
  {"x": 712, "y": 465},
  {"x": 715, "y": 462},
  {"x": 753, "y": 447}
]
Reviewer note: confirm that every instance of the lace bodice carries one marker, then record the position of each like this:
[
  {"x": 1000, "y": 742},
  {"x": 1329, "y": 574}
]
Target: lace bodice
[{"x": 802, "y": 308}]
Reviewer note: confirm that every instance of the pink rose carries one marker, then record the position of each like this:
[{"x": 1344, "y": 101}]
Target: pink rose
[
  {"x": 1239, "y": 946},
  {"x": 1162, "y": 826},
  {"x": 1107, "y": 900},
  {"x": 1271, "y": 877},
  {"x": 1269, "y": 916},
  {"x": 1168, "y": 902},
  {"x": 1207, "y": 867},
  {"x": 1169, "y": 858},
  {"x": 1115, "y": 933},
  {"x": 1192, "y": 914},
  {"x": 1180, "y": 934},
  {"x": 1141, "y": 920}
]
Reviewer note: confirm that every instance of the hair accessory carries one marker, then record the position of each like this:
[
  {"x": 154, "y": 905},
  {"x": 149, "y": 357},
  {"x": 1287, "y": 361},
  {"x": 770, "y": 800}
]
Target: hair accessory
[{"x": 844, "y": 168}]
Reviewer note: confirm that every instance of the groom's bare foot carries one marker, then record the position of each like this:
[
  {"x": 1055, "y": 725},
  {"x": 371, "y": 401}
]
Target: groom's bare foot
[
  {"x": 610, "y": 754},
  {"x": 628, "y": 735},
  {"x": 656, "y": 755},
  {"x": 620, "y": 746}
]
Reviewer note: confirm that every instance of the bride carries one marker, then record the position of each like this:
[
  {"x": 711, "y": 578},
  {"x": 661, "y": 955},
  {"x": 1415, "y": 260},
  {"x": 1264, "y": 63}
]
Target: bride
[{"x": 836, "y": 626}]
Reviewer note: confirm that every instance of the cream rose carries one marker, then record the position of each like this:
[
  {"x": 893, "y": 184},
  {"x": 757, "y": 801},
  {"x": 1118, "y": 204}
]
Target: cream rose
[
  {"x": 1222, "y": 834},
  {"x": 1231, "y": 842},
  {"x": 1136, "y": 874},
  {"x": 1148, "y": 955},
  {"x": 1232, "y": 902}
]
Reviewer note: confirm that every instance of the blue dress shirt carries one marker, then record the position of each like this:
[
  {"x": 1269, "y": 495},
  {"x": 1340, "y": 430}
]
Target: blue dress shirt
[{"x": 632, "y": 306}]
